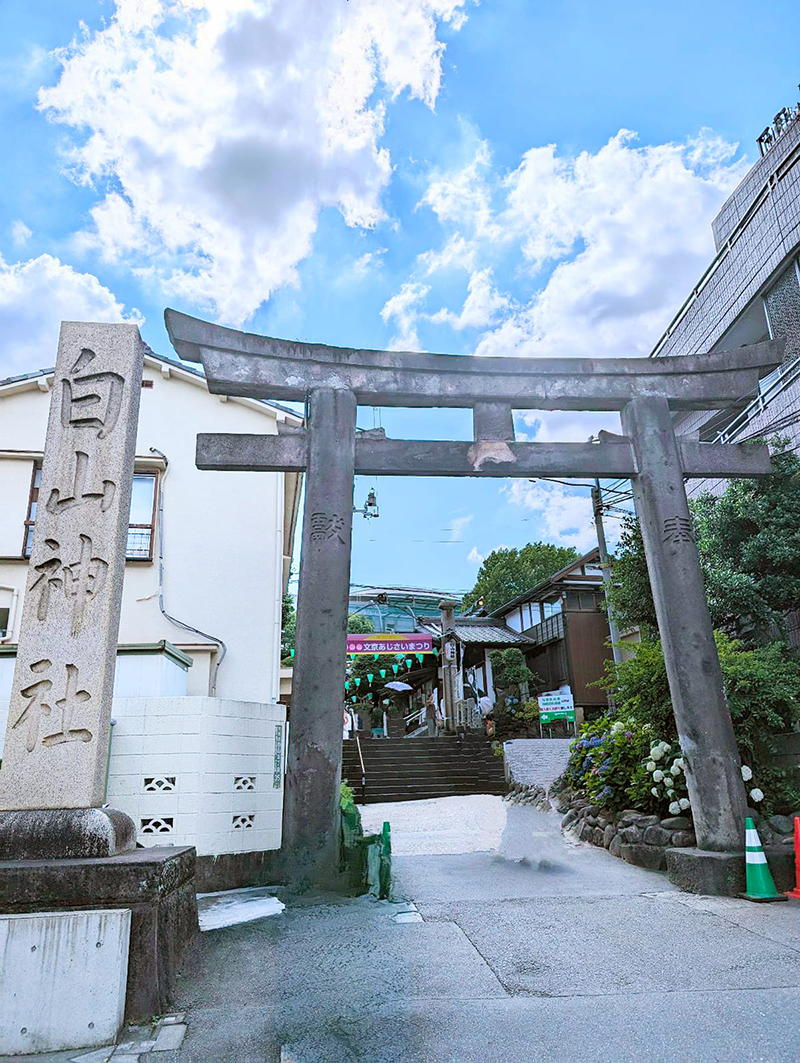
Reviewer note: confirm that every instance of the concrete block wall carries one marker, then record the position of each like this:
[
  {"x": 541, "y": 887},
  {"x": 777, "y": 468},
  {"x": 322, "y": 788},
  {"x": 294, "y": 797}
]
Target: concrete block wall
[
  {"x": 536, "y": 760},
  {"x": 200, "y": 771}
]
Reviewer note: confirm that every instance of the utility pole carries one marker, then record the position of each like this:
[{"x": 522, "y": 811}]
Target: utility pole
[{"x": 605, "y": 567}]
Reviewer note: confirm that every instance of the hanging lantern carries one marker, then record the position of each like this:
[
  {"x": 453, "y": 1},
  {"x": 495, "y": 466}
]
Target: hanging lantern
[
  {"x": 357, "y": 682},
  {"x": 435, "y": 653},
  {"x": 375, "y": 656},
  {"x": 291, "y": 653},
  {"x": 395, "y": 668},
  {"x": 409, "y": 662},
  {"x": 420, "y": 657},
  {"x": 354, "y": 698},
  {"x": 383, "y": 673},
  {"x": 370, "y": 677},
  {"x": 347, "y": 684},
  {"x": 369, "y": 696}
]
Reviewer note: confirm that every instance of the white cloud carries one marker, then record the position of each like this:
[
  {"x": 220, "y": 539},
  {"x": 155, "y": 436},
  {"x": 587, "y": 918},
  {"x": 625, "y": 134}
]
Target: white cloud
[
  {"x": 35, "y": 296},
  {"x": 457, "y": 253},
  {"x": 481, "y": 306},
  {"x": 567, "y": 426},
  {"x": 20, "y": 233},
  {"x": 604, "y": 246},
  {"x": 217, "y": 132},
  {"x": 565, "y": 516},
  {"x": 474, "y": 557},
  {"x": 458, "y": 524},
  {"x": 403, "y": 309}
]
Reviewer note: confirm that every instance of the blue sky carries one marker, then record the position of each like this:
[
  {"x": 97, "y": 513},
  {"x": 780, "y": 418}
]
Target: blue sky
[{"x": 512, "y": 178}]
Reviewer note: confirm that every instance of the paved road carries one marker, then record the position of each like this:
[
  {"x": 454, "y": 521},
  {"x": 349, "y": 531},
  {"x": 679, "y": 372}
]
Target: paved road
[{"x": 542, "y": 949}]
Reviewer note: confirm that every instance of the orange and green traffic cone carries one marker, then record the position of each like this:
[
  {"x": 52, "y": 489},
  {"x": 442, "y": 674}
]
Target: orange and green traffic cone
[{"x": 760, "y": 886}]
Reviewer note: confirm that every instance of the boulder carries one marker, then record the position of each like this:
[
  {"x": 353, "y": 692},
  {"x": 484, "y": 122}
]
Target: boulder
[
  {"x": 647, "y": 821},
  {"x": 683, "y": 839},
  {"x": 590, "y": 820},
  {"x": 597, "y": 836},
  {"x": 602, "y": 822},
  {"x": 676, "y": 823},
  {"x": 630, "y": 815},
  {"x": 782, "y": 824},
  {"x": 594, "y": 810},
  {"x": 585, "y": 832},
  {"x": 609, "y": 834},
  {"x": 649, "y": 856},
  {"x": 631, "y": 835},
  {"x": 570, "y": 817},
  {"x": 657, "y": 836},
  {"x": 616, "y": 845}
]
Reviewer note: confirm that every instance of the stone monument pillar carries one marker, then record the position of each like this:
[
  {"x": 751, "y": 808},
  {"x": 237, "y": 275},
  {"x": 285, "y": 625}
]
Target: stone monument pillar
[
  {"x": 52, "y": 780},
  {"x": 56, "y": 746},
  {"x": 702, "y": 717}
]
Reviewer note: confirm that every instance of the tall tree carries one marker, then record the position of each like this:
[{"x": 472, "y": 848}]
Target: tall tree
[
  {"x": 748, "y": 539},
  {"x": 507, "y": 572}
]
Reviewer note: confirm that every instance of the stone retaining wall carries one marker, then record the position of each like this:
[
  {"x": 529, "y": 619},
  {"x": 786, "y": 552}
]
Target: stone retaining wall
[
  {"x": 644, "y": 839},
  {"x": 536, "y": 761}
]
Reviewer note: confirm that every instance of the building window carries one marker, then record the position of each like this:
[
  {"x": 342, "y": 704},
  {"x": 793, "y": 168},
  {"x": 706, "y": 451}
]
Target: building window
[
  {"x": 141, "y": 523},
  {"x": 551, "y": 608}
]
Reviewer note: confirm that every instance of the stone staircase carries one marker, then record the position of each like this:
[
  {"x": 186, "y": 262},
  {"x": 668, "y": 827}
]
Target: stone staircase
[{"x": 399, "y": 770}]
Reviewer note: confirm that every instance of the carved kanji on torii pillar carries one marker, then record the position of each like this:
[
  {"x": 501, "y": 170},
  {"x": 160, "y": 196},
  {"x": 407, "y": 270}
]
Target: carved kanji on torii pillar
[{"x": 334, "y": 381}]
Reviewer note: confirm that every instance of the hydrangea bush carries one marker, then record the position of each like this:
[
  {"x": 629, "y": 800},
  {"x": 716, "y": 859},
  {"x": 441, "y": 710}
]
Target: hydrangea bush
[{"x": 635, "y": 760}]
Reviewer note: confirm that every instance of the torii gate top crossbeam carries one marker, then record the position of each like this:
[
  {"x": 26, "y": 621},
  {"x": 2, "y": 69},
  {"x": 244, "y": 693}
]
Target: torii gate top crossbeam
[{"x": 242, "y": 363}]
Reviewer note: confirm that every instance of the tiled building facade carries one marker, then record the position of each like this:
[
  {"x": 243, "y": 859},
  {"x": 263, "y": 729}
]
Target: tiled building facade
[{"x": 751, "y": 292}]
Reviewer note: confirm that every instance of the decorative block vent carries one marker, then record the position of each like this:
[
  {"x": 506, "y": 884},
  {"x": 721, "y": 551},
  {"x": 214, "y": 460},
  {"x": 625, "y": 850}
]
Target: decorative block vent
[
  {"x": 277, "y": 775},
  {"x": 244, "y": 822},
  {"x": 244, "y": 782},
  {"x": 158, "y": 784},
  {"x": 156, "y": 825}
]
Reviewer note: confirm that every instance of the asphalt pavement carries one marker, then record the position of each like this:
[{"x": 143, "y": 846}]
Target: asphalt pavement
[{"x": 540, "y": 948}]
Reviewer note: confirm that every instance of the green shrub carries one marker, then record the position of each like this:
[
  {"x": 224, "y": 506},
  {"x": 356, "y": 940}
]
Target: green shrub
[
  {"x": 346, "y": 796},
  {"x": 762, "y": 686}
]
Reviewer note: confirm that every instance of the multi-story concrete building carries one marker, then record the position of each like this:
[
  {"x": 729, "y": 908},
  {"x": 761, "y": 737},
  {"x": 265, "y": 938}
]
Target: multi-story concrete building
[{"x": 751, "y": 292}]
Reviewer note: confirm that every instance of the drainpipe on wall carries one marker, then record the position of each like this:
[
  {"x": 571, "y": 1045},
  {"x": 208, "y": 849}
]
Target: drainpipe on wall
[{"x": 164, "y": 613}]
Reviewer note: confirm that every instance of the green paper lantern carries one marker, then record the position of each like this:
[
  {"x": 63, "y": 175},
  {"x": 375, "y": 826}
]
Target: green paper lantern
[
  {"x": 395, "y": 668},
  {"x": 354, "y": 698},
  {"x": 383, "y": 673},
  {"x": 435, "y": 653},
  {"x": 409, "y": 662},
  {"x": 420, "y": 657},
  {"x": 347, "y": 684},
  {"x": 370, "y": 677},
  {"x": 291, "y": 653},
  {"x": 357, "y": 682},
  {"x": 369, "y": 696},
  {"x": 375, "y": 656}
]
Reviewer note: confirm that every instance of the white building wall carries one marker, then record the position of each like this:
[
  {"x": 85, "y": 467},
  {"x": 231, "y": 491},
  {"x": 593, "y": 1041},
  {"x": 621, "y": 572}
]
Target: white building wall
[
  {"x": 223, "y": 533},
  {"x": 199, "y": 771}
]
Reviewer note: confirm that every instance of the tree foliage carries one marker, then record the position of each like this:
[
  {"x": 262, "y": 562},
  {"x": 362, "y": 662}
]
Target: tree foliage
[
  {"x": 508, "y": 572},
  {"x": 359, "y": 624},
  {"x": 749, "y": 544}
]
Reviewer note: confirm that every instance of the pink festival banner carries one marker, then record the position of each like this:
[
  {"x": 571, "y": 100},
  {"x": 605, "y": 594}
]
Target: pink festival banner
[{"x": 390, "y": 643}]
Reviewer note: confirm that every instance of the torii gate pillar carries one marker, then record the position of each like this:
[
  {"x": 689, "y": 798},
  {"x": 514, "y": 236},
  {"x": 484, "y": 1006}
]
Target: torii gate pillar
[
  {"x": 702, "y": 717},
  {"x": 310, "y": 846}
]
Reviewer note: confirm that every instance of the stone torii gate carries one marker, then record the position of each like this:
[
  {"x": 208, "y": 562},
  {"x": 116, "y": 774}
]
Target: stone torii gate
[{"x": 334, "y": 381}]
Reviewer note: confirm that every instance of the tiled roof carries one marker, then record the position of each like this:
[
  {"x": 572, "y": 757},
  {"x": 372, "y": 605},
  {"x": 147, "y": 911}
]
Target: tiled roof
[{"x": 480, "y": 630}]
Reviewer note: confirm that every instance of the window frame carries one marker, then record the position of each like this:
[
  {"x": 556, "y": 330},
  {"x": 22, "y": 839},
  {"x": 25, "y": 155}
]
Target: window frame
[{"x": 33, "y": 496}]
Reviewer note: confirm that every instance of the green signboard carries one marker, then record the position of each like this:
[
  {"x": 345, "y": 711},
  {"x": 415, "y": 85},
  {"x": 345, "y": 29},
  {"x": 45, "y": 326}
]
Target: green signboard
[{"x": 550, "y": 715}]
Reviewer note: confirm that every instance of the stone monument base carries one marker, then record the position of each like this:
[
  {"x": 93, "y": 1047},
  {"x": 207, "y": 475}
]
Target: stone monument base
[
  {"x": 156, "y": 884},
  {"x": 723, "y": 874},
  {"x": 64, "y": 833}
]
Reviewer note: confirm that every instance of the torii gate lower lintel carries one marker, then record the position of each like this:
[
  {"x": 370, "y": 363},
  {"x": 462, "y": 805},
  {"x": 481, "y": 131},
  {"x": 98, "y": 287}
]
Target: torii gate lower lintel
[{"x": 335, "y": 380}]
